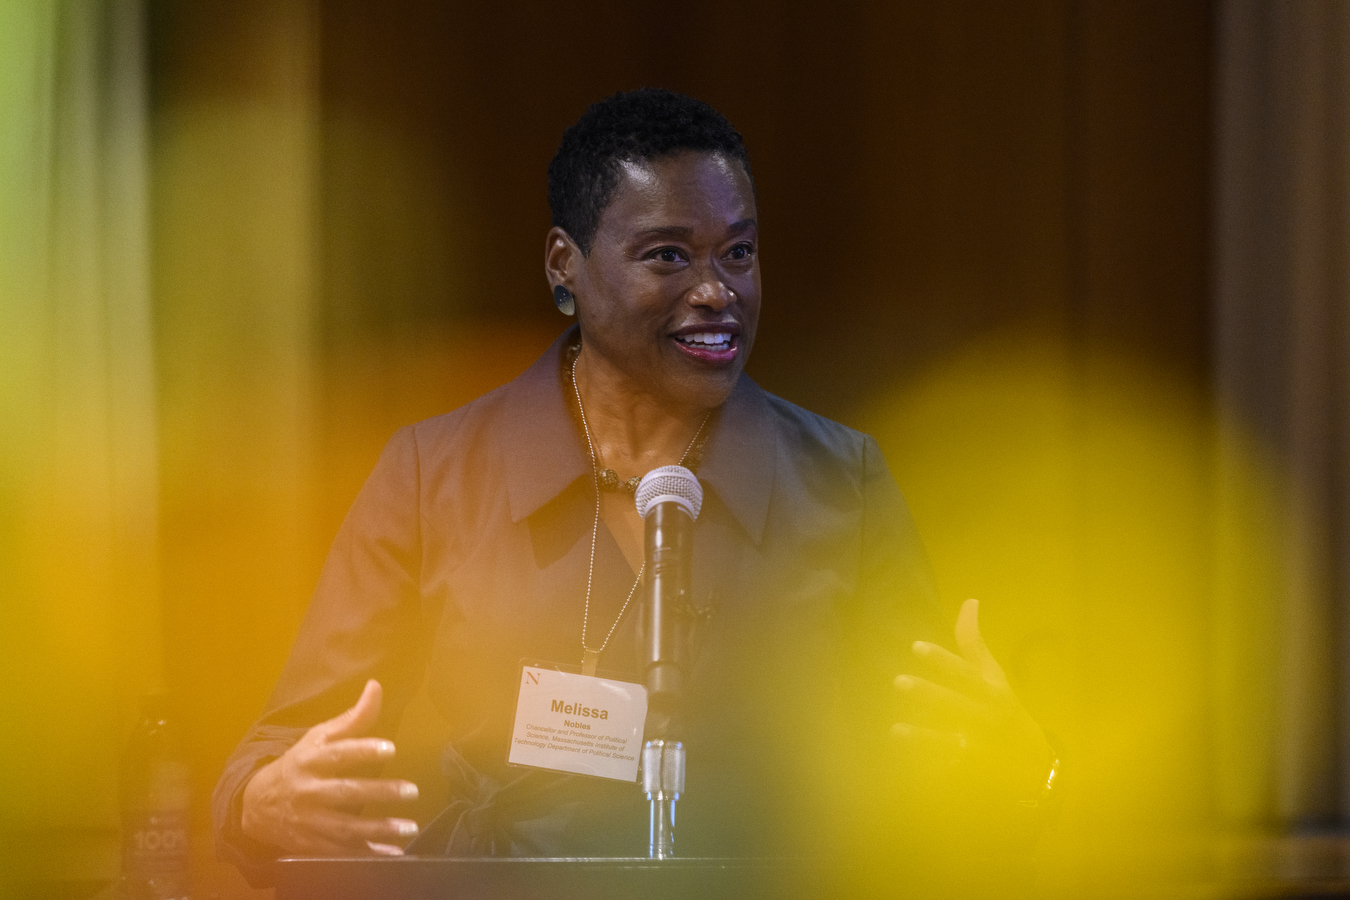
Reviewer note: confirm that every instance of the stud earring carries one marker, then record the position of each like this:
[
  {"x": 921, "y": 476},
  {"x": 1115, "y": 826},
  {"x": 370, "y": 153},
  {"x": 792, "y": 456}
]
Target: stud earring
[{"x": 563, "y": 299}]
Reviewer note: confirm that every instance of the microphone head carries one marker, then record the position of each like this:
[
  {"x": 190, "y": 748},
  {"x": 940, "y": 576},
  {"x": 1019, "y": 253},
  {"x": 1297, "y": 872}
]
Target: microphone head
[{"x": 673, "y": 484}]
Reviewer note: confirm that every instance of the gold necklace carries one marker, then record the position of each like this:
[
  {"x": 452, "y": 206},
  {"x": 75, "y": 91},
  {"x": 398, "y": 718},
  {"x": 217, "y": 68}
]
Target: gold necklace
[{"x": 591, "y": 658}]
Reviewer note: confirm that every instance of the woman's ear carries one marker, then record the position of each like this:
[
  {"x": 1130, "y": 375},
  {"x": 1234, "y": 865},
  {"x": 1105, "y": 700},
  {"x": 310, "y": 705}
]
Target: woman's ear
[{"x": 562, "y": 257}]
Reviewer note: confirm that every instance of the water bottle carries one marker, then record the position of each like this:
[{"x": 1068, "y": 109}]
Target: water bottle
[{"x": 155, "y": 790}]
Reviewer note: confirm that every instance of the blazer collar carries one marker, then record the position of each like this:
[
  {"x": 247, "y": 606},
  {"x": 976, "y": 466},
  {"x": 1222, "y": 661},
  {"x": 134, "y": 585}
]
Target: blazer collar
[
  {"x": 741, "y": 456},
  {"x": 544, "y": 454}
]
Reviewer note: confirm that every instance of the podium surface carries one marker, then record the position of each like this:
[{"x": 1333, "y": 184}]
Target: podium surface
[{"x": 431, "y": 878}]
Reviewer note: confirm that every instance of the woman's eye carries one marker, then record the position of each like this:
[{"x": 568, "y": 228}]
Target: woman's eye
[
  {"x": 741, "y": 251},
  {"x": 669, "y": 255}
]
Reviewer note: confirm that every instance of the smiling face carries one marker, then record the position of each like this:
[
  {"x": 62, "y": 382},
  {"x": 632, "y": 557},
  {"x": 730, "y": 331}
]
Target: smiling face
[{"x": 668, "y": 298}]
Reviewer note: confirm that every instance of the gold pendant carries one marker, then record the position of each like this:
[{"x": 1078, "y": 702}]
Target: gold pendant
[{"x": 589, "y": 660}]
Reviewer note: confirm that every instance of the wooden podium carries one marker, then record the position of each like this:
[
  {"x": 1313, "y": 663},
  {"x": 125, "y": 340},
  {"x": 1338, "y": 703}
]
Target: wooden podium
[{"x": 428, "y": 878}]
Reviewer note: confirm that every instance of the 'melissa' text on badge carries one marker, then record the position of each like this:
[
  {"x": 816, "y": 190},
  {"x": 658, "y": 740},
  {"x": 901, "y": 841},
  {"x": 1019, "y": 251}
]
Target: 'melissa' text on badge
[{"x": 576, "y": 709}]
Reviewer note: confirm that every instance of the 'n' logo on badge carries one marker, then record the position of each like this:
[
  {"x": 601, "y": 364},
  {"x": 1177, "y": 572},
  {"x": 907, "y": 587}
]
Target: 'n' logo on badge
[{"x": 532, "y": 676}]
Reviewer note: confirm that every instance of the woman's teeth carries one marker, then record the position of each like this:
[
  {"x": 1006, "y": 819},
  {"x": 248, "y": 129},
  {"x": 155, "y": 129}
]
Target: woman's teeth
[{"x": 709, "y": 341}]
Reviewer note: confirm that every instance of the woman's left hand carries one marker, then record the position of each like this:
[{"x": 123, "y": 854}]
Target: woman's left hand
[{"x": 964, "y": 708}]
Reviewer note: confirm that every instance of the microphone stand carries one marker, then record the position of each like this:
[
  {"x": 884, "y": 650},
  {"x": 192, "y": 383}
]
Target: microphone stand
[
  {"x": 663, "y": 780},
  {"x": 669, "y": 548}
]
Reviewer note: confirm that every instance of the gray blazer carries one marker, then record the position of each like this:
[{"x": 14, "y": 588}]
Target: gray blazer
[{"x": 466, "y": 551}]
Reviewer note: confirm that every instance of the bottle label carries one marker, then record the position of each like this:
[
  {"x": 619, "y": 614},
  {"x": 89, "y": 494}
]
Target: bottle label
[{"x": 155, "y": 846}]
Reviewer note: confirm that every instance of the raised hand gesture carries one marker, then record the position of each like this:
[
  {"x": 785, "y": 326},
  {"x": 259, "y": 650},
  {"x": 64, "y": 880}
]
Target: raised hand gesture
[
  {"x": 961, "y": 706},
  {"x": 308, "y": 801}
]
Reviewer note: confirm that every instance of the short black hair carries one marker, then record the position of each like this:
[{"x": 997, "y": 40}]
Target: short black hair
[{"x": 631, "y": 126}]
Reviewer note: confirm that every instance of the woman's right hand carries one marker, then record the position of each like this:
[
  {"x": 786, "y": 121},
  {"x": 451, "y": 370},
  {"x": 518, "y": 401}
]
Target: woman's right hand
[{"x": 307, "y": 802}]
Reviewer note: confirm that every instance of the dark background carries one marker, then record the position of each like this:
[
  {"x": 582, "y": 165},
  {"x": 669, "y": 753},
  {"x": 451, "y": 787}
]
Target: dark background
[{"x": 926, "y": 171}]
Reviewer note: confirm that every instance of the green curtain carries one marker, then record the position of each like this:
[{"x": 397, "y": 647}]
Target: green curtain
[{"x": 79, "y": 601}]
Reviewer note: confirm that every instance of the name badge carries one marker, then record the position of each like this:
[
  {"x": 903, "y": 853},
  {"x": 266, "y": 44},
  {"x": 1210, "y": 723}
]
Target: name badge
[{"x": 578, "y": 723}]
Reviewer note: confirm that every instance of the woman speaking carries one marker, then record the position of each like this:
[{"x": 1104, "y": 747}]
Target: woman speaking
[{"x": 505, "y": 532}]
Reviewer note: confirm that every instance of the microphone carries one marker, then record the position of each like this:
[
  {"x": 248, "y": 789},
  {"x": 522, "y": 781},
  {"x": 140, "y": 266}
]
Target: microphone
[{"x": 668, "y": 499}]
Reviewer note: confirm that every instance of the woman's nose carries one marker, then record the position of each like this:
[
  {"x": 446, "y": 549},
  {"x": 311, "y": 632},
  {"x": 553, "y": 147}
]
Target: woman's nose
[{"x": 712, "y": 293}]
